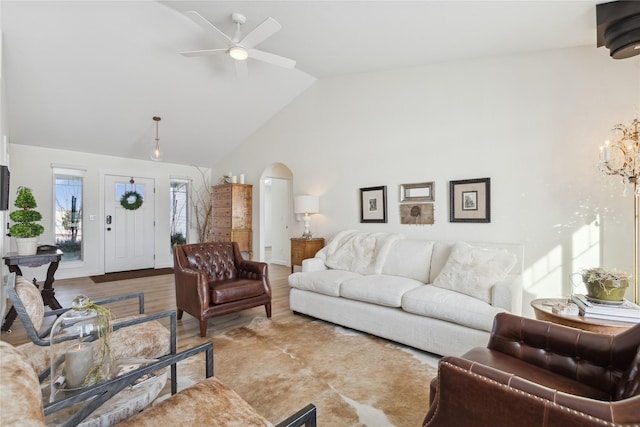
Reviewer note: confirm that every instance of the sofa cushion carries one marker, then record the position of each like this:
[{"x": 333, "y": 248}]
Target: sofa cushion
[
  {"x": 324, "y": 282},
  {"x": 409, "y": 258},
  {"x": 378, "y": 289},
  {"x": 21, "y": 403},
  {"x": 208, "y": 402},
  {"x": 224, "y": 291},
  {"x": 473, "y": 270},
  {"x": 450, "y": 306},
  {"x": 31, "y": 300}
]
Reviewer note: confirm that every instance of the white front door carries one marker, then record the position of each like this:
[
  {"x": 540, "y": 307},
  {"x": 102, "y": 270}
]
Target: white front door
[{"x": 129, "y": 233}]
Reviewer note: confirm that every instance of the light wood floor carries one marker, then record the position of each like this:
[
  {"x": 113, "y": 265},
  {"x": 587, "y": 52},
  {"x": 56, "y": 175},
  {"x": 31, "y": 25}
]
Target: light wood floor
[{"x": 160, "y": 296}]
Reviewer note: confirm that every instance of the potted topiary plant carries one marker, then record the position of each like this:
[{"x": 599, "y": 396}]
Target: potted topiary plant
[{"x": 25, "y": 229}]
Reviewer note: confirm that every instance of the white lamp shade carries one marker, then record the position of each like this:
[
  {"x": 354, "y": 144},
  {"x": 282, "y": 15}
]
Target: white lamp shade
[{"x": 306, "y": 204}]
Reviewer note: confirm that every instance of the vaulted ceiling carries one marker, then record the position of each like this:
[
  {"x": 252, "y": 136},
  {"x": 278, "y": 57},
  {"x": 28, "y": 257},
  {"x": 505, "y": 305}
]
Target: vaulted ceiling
[{"x": 89, "y": 75}]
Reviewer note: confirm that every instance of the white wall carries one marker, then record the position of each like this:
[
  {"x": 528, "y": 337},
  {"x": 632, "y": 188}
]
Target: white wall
[
  {"x": 31, "y": 167},
  {"x": 532, "y": 123},
  {"x": 3, "y": 161}
]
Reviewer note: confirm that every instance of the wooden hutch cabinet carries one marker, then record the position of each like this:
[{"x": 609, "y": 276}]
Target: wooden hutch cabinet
[{"x": 231, "y": 215}]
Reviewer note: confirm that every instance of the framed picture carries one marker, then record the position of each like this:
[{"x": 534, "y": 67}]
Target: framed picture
[
  {"x": 416, "y": 213},
  {"x": 470, "y": 201},
  {"x": 421, "y": 192},
  {"x": 373, "y": 204}
]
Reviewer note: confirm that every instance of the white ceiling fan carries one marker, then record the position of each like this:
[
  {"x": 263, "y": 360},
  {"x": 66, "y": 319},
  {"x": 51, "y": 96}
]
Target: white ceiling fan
[{"x": 240, "y": 48}]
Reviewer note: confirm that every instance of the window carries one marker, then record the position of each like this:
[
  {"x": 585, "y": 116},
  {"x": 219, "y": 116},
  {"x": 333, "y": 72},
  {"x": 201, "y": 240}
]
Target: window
[
  {"x": 178, "y": 199},
  {"x": 68, "y": 212},
  {"x": 122, "y": 188}
]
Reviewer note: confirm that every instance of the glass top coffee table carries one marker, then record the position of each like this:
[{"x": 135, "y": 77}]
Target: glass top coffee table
[{"x": 542, "y": 308}]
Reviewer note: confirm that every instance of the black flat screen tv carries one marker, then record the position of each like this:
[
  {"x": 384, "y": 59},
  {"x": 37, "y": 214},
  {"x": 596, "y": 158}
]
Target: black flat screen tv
[{"x": 4, "y": 188}]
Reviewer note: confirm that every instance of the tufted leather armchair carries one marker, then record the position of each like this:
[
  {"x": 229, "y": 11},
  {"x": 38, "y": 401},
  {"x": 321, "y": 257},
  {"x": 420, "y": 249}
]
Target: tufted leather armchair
[
  {"x": 535, "y": 373},
  {"x": 212, "y": 279}
]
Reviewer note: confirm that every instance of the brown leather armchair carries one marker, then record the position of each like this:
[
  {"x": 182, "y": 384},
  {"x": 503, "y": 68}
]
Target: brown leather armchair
[
  {"x": 536, "y": 373},
  {"x": 212, "y": 279}
]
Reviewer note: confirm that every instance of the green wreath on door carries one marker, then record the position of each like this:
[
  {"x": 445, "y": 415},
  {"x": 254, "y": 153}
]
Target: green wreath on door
[
  {"x": 131, "y": 205},
  {"x": 126, "y": 200}
]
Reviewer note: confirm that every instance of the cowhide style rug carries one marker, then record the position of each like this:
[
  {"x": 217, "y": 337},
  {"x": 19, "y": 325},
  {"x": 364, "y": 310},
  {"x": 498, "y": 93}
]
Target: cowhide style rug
[{"x": 353, "y": 379}]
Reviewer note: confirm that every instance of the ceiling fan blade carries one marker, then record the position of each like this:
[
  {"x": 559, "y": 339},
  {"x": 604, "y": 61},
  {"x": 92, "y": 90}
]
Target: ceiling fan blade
[
  {"x": 241, "y": 68},
  {"x": 262, "y": 32},
  {"x": 280, "y": 61},
  {"x": 204, "y": 52},
  {"x": 200, "y": 20}
]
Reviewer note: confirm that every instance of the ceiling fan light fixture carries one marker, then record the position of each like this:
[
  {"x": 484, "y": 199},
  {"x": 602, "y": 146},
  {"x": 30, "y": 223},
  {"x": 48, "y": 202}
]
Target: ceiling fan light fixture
[
  {"x": 238, "y": 53},
  {"x": 240, "y": 47}
]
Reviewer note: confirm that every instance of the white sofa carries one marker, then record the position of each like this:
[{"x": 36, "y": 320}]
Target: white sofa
[{"x": 388, "y": 285}]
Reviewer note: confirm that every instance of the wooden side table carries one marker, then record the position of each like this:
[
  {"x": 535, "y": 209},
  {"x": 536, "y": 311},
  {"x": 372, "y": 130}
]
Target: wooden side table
[
  {"x": 543, "y": 311},
  {"x": 304, "y": 248}
]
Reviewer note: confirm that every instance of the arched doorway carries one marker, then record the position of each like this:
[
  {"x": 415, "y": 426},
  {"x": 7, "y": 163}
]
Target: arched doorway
[{"x": 276, "y": 207}]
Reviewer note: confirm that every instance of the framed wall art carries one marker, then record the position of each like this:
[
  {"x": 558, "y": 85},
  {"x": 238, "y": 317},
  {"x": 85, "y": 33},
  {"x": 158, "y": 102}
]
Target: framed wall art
[
  {"x": 373, "y": 204},
  {"x": 470, "y": 201},
  {"x": 421, "y": 192},
  {"x": 416, "y": 213}
]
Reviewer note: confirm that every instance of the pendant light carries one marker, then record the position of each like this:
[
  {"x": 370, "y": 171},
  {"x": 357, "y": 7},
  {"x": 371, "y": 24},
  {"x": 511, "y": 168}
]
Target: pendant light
[{"x": 156, "y": 154}]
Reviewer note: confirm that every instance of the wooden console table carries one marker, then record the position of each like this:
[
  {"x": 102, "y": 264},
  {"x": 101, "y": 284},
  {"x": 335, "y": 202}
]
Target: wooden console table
[
  {"x": 542, "y": 308},
  {"x": 302, "y": 249},
  {"x": 14, "y": 261}
]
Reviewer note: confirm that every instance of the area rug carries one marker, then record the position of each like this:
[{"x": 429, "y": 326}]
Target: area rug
[
  {"x": 132, "y": 274},
  {"x": 354, "y": 379}
]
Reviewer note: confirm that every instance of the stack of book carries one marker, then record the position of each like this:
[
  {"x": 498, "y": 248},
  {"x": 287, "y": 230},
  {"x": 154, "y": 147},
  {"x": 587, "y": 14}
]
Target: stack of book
[{"x": 626, "y": 311}]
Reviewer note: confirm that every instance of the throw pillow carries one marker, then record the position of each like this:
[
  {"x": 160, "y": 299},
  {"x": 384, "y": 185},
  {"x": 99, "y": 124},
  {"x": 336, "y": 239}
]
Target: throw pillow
[
  {"x": 31, "y": 300},
  {"x": 473, "y": 271}
]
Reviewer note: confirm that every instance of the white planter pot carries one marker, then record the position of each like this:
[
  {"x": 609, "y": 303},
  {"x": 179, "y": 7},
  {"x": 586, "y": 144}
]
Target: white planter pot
[{"x": 27, "y": 245}]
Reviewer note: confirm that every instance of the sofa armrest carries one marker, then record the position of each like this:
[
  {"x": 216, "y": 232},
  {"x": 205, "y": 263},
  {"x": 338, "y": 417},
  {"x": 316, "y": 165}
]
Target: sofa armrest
[
  {"x": 469, "y": 393},
  {"x": 508, "y": 294},
  {"x": 252, "y": 269},
  {"x": 313, "y": 264},
  {"x": 192, "y": 289},
  {"x": 255, "y": 270}
]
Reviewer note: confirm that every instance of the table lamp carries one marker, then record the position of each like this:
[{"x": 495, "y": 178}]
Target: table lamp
[{"x": 306, "y": 205}]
